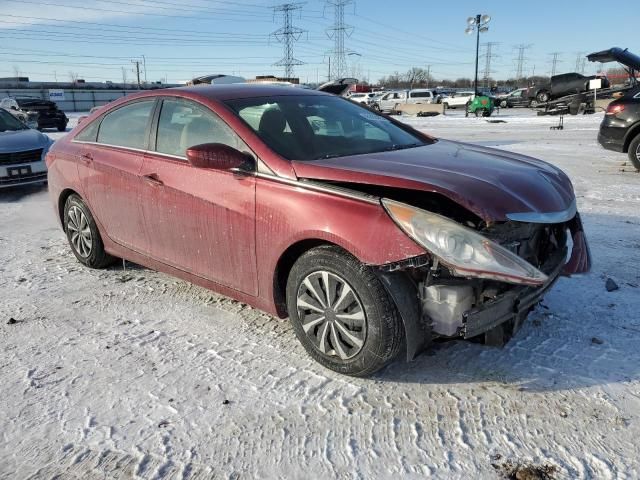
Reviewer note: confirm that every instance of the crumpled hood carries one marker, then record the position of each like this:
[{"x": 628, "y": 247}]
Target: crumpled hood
[
  {"x": 490, "y": 183},
  {"x": 19, "y": 140}
]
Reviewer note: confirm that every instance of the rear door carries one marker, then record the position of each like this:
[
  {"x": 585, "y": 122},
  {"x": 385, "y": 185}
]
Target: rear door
[
  {"x": 109, "y": 170},
  {"x": 201, "y": 221}
]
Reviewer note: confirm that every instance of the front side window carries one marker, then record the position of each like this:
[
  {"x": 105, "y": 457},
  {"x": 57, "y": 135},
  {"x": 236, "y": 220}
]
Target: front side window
[
  {"x": 127, "y": 126},
  {"x": 311, "y": 127},
  {"x": 184, "y": 124}
]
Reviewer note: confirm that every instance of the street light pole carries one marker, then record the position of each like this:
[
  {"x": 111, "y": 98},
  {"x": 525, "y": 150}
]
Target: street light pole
[
  {"x": 475, "y": 84},
  {"x": 479, "y": 24}
]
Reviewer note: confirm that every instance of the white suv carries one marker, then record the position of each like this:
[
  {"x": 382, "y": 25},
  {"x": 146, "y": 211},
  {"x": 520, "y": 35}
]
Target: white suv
[
  {"x": 458, "y": 99},
  {"x": 387, "y": 104}
]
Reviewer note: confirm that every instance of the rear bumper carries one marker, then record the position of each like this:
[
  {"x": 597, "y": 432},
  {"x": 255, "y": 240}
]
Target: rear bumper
[{"x": 610, "y": 143}]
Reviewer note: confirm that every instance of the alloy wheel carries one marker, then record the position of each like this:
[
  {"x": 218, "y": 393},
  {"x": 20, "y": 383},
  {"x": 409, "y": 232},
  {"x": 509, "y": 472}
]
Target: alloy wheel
[
  {"x": 79, "y": 231},
  {"x": 638, "y": 152},
  {"x": 331, "y": 315}
]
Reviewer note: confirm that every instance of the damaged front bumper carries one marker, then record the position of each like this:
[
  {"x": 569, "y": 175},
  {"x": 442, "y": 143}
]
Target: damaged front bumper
[
  {"x": 454, "y": 307},
  {"x": 512, "y": 306}
]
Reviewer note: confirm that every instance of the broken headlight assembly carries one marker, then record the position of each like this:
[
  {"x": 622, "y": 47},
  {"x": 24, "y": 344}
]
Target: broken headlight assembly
[{"x": 464, "y": 251}]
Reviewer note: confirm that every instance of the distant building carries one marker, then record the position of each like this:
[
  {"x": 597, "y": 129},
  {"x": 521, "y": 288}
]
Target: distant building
[{"x": 274, "y": 79}]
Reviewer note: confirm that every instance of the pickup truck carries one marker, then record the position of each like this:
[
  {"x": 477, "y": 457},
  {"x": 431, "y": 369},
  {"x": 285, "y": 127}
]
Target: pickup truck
[{"x": 563, "y": 85}]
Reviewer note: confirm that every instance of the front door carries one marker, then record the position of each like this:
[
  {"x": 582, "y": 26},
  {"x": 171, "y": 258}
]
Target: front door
[
  {"x": 109, "y": 170},
  {"x": 201, "y": 221}
]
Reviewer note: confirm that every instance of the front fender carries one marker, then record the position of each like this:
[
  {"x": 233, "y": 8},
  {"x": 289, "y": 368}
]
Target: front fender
[{"x": 405, "y": 295}]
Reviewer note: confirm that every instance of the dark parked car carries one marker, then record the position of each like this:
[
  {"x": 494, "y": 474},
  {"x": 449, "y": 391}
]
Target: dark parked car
[
  {"x": 562, "y": 85},
  {"x": 371, "y": 236},
  {"x": 516, "y": 98},
  {"x": 620, "y": 127},
  {"x": 49, "y": 116}
]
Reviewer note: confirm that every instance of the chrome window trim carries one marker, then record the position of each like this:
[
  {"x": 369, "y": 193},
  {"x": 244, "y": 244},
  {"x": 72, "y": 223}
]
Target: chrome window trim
[
  {"x": 320, "y": 187},
  {"x": 85, "y": 142},
  {"x": 550, "y": 217}
]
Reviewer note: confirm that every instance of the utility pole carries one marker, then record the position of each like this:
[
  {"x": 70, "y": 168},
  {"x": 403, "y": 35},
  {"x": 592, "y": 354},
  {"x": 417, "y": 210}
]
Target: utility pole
[
  {"x": 428, "y": 74},
  {"x": 144, "y": 65},
  {"x": 124, "y": 77},
  {"x": 583, "y": 65},
  {"x": 520, "y": 60},
  {"x": 337, "y": 33},
  {"x": 554, "y": 62},
  {"x": 287, "y": 35},
  {"x": 487, "y": 62},
  {"x": 137, "y": 70}
]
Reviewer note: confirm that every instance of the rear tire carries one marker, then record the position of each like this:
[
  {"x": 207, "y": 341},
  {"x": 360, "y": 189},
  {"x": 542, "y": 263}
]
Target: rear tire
[
  {"x": 503, "y": 104},
  {"x": 62, "y": 127},
  {"x": 341, "y": 312},
  {"x": 634, "y": 152},
  {"x": 83, "y": 235}
]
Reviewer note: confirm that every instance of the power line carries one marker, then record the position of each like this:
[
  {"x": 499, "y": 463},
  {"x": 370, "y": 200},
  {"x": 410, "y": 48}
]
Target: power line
[
  {"x": 287, "y": 35},
  {"x": 337, "y": 33}
]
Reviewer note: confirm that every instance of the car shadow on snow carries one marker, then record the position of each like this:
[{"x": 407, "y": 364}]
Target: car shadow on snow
[
  {"x": 579, "y": 336},
  {"x": 17, "y": 193}
]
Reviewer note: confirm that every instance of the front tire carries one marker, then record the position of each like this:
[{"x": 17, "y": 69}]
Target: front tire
[
  {"x": 341, "y": 312},
  {"x": 543, "y": 97},
  {"x": 634, "y": 152},
  {"x": 503, "y": 104},
  {"x": 83, "y": 235}
]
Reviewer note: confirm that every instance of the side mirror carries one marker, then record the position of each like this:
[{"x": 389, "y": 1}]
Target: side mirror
[{"x": 218, "y": 156}]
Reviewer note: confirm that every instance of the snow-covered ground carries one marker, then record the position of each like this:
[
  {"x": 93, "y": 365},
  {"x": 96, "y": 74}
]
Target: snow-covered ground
[{"x": 120, "y": 374}]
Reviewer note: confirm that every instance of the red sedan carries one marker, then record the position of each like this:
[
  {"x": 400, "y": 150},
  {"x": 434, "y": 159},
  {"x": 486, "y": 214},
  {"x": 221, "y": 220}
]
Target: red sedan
[{"x": 371, "y": 236}]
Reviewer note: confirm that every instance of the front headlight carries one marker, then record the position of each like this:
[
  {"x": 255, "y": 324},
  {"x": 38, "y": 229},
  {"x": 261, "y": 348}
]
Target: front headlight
[{"x": 464, "y": 251}]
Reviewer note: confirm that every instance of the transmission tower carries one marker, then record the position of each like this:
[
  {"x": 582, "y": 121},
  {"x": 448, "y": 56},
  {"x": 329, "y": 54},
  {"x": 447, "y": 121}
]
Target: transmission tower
[
  {"x": 579, "y": 56},
  {"x": 287, "y": 35},
  {"x": 337, "y": 33},
  {"x": 489, "y": 55},
  {"x": 554, "y": 62},
  {"x": 521, "y": 59},
  {"x": 583, "y": 65}
]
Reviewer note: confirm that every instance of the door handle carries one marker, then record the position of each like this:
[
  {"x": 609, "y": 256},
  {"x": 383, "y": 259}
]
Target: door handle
[
  {"x": 86, "y": 158},
  {"x": 152, "y": 178}
]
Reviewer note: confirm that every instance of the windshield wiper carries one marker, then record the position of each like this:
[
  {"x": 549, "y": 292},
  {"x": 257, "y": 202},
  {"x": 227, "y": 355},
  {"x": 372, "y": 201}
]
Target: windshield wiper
[
  {"x": 329, "y": 155},
  {"x": 402, "y": 147}
]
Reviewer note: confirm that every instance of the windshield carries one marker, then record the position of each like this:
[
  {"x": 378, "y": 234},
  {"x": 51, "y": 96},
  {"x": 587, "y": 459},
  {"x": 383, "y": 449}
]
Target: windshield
[
  {"x": 314, "y": 127},
  {"x": 10, "y": 123}
]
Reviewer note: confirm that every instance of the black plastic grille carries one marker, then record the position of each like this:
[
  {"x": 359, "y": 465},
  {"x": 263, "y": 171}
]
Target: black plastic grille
[{"x": 28, "y": 156}]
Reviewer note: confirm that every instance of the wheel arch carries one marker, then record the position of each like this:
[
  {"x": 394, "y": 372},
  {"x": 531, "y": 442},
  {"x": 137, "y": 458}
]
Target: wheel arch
[
  {"x": 62, "y": 200},
  {"x": 633, "y": 132},
  {"x": 285, "y": 263}
]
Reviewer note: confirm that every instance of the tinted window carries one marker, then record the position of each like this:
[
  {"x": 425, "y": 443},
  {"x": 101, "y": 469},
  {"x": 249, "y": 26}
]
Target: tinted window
[
  {"x": 184, "y": 124},
  {"x": 420, "y": 94},
  {"x": 127, "y": 126},
  {"x": 313, "y": 127}
]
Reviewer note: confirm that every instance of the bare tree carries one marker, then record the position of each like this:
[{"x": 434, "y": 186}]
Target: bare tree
[
  {"x": 16, "y": 71},
  {"x": 73, "y": 77}
]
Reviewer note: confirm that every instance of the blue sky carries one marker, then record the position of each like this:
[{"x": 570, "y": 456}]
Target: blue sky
[{"x": 97, "y": 39}]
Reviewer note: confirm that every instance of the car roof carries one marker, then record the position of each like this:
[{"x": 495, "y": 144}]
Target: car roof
[{"x": 241, "y": 90}]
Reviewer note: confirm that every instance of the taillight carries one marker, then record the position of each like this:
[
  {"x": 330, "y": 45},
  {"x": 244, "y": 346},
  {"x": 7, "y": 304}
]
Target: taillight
[{"x": 614, "y": 109}]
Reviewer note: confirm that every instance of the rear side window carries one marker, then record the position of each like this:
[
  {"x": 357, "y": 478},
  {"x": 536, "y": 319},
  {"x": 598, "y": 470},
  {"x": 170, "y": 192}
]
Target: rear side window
[
  {"x": 90, "y": 133},
  {"x": 127, "y": 126},
  {"x": 420, "y": 94},
  {"x": 183, "y": 124}
]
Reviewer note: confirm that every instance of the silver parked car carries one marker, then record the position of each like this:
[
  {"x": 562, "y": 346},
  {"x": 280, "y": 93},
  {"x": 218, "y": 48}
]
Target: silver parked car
[{"x": 22, "y": 152}]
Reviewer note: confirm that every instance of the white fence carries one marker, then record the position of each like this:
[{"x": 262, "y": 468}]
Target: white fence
[{"x": 70, "y": 100}]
